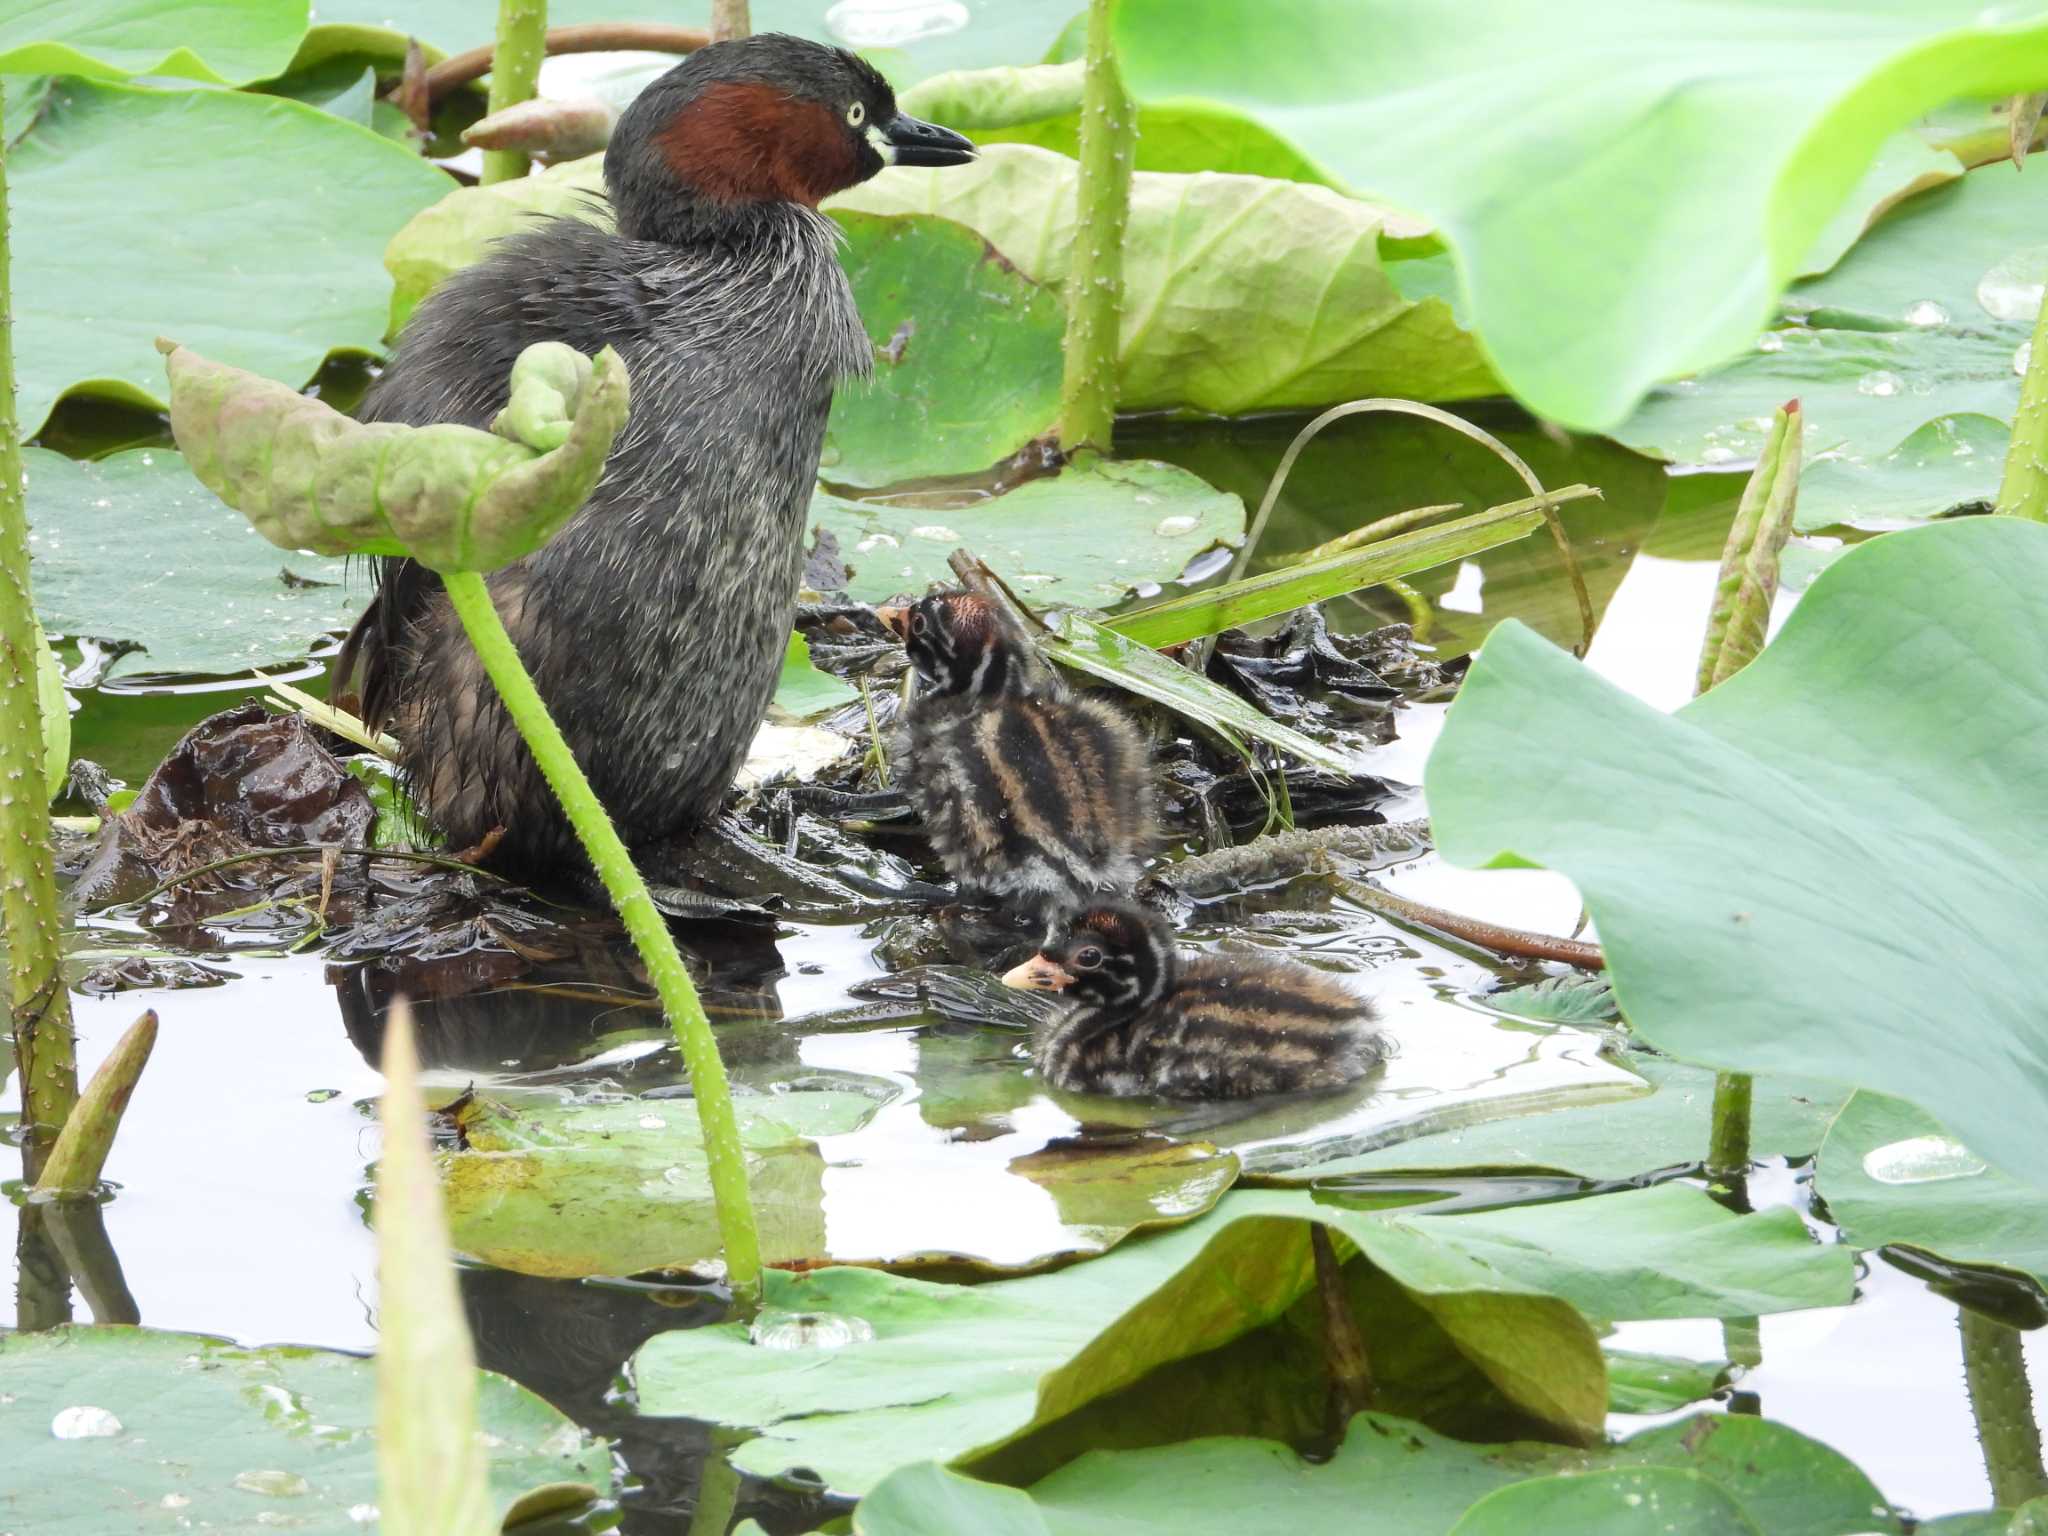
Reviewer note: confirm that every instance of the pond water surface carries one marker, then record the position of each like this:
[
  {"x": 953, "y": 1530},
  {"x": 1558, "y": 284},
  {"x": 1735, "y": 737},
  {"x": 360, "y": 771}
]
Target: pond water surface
[{"x": 242, "y": 1166}]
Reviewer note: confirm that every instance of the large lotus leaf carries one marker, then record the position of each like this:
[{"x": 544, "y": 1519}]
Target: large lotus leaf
[
  {"x": 967, "y": 347},
  {"x": 1663, "y": 1252},
  {"x": 908, "y": 41},
  {"x": 1889, "y": 1175},
  {"x": 1040, "y": 104},
  {"x": 248, "y": 226},
  {"x": 1621, "y": 213},
  {"x": 1414, "y": 1481},
  {"x": 454, "y": 498},
  {"x": 1906, "y": 163},
  {"x": 1638, "y": 1382},
  {"x": 1650, "y": 1500},
  {"x": 617, "y": 1189},
  {"x": 1619, "y": 1140},
  {"x": 1241, "y": 293},
  {"x": 1086, "y": 536},
  {"x": 957, "y": 1374},
  {"x": 1903, "y": 359},
  {"x": 131, "y": 1430},
  {"x": 967, "y": 355},
  {"x": 226, "y": 41},
  {"x": 1829, "y": 865},
  {"x": 131, "y": 547}
]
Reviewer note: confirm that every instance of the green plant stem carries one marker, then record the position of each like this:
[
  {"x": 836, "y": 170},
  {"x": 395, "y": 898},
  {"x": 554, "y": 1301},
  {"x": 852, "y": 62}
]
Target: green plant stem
[
  {"x": 1728, "y": 1139},
  {"x": 726, "y": 1158},
  {"x": 1996, "y": 1373},
  {"x": 2024, "y": 490},
  {"x": 44, "y": 1050},
  {"x": 1095, "y": 287},
  {"x": 515, "y": 75},
  {"x": 42, "y": 1286}
]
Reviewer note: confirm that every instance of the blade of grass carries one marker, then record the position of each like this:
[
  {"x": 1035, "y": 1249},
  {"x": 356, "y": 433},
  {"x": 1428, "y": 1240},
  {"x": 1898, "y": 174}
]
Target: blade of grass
[
  {"x": 1080, "y": 642},
  {"x": 1397, "y": 407},
  {"x": 1282, "y": 591}
]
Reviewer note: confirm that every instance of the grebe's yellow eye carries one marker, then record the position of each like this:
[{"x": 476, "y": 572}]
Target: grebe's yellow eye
[{"x": 857, "y": 114}]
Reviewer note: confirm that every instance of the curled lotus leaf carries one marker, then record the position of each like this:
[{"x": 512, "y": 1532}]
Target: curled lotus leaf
[{"x": 452, "y": 497}]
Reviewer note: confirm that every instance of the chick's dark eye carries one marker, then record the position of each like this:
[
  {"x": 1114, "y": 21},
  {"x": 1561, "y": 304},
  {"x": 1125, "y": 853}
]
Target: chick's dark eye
[
  {"x": 1087, "y": 958},
  {"x": 919, "y": 624}
]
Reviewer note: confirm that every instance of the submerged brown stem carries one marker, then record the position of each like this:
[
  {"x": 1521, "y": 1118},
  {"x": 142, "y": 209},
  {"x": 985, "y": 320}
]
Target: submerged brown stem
[
  {"x": 1501, "y": 940},
  {"x": 1351, "y": 1384},
  {"x": 592, "y": 37}
]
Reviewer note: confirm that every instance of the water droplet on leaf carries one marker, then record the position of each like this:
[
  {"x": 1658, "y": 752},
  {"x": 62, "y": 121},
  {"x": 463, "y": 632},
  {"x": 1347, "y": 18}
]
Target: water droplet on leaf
[
  {"x": 273, "y": 1484},
  {"x": 1922, "y": 1160},
  {"x": 84, "y": 1424},
  {"x": 777, "y": 1329}
]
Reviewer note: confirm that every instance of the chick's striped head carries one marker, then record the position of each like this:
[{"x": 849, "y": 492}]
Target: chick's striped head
[
  {"x": 958, "y": 644},
  {"x": 1115, "y": 955}
]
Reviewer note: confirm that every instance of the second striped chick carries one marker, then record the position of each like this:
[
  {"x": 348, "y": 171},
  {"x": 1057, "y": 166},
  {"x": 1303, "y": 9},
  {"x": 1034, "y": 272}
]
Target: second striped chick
[
  {"x": 1034, "y": 798},
  {"x": 1144, "y": 1020}
]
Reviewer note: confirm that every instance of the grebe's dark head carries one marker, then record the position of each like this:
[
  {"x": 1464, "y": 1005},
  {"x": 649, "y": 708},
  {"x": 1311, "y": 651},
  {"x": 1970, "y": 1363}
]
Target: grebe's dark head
[
  {"x": 958, "y": 643},
  {"x": 1114, "y": 955},
  {"x": 761, "y": 119}
]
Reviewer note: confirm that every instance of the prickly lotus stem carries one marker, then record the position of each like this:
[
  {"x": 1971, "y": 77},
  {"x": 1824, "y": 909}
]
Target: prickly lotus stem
[{"x": 454, "y": 498}]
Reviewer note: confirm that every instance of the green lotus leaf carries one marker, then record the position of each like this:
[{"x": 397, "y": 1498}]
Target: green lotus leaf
[
  {"x": 226, "y": 42},
  {"x": 1890, "y": 1176},
  {"x": 454, "y": 498},
  {"x": 152, "y": 1433},
  {"x": 1414, "y": 1482},
  {"x": 1902, "y": 359},
  {"x": 1829, "y": 865},
  {"x": 965, "y": 1374},
  {"x": 1621, "y": 213},
  {"x": 245, "y": 224},
  {"x": 1244, "y": 293}
]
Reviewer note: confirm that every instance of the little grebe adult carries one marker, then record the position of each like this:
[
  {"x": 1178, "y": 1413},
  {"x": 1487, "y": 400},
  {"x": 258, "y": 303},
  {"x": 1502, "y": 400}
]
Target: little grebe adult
[
  {"x": 1141, "y": 1019},
  {"x": 654, "y": 624},
  {"x": 1033, "y": 797}
]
